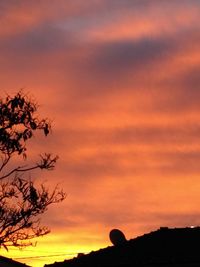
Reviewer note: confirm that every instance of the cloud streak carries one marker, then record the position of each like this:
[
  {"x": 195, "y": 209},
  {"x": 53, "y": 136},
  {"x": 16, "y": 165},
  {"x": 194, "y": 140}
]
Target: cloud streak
[{"x": 120, "y": 79}]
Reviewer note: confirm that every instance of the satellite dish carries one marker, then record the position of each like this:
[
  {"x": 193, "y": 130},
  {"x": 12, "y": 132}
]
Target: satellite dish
[{"x": 117, "y": 237}]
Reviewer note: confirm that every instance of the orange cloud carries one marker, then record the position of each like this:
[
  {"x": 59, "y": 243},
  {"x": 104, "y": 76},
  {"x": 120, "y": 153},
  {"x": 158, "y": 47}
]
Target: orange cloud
[{"x": 121, "y": 82}]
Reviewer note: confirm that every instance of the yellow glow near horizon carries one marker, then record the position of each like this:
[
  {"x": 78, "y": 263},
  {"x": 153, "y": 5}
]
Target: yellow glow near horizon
[{"x": 120, "y": 82}]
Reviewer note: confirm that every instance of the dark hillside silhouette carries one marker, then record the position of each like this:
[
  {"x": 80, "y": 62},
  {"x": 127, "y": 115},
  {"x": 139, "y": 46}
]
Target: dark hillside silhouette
[
  {"x": 6, "y": 262},
  {"x": 178, "y": 247}
]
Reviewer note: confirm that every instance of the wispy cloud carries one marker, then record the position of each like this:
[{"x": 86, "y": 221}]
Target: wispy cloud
[{"x": 120, "y": 79}]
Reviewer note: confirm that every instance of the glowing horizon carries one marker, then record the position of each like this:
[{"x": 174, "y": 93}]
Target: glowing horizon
[{"x": 120, "y": 81}]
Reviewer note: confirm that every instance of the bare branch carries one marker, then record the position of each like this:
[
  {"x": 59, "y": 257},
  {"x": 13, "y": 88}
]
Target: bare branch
[{"x": 21, "y": 202}]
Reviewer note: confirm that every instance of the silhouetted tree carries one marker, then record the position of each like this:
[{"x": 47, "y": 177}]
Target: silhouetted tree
[{"x": 21, "y": 202}]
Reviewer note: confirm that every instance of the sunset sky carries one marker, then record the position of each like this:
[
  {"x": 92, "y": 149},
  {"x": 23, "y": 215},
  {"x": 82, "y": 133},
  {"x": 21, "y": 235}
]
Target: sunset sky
[{"x": 120, "y": 79}]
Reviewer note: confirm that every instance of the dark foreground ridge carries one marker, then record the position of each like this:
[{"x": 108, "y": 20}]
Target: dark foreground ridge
[
  {"x": 177, "y": 247},
  {"x": 6, "y": 262}
]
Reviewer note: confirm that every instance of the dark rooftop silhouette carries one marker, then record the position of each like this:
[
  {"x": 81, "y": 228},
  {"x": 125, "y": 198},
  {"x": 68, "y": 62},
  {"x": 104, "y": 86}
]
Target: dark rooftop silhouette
[
  {"x": 164, "y": 247},
  {"x": 7, "y": 262}
]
